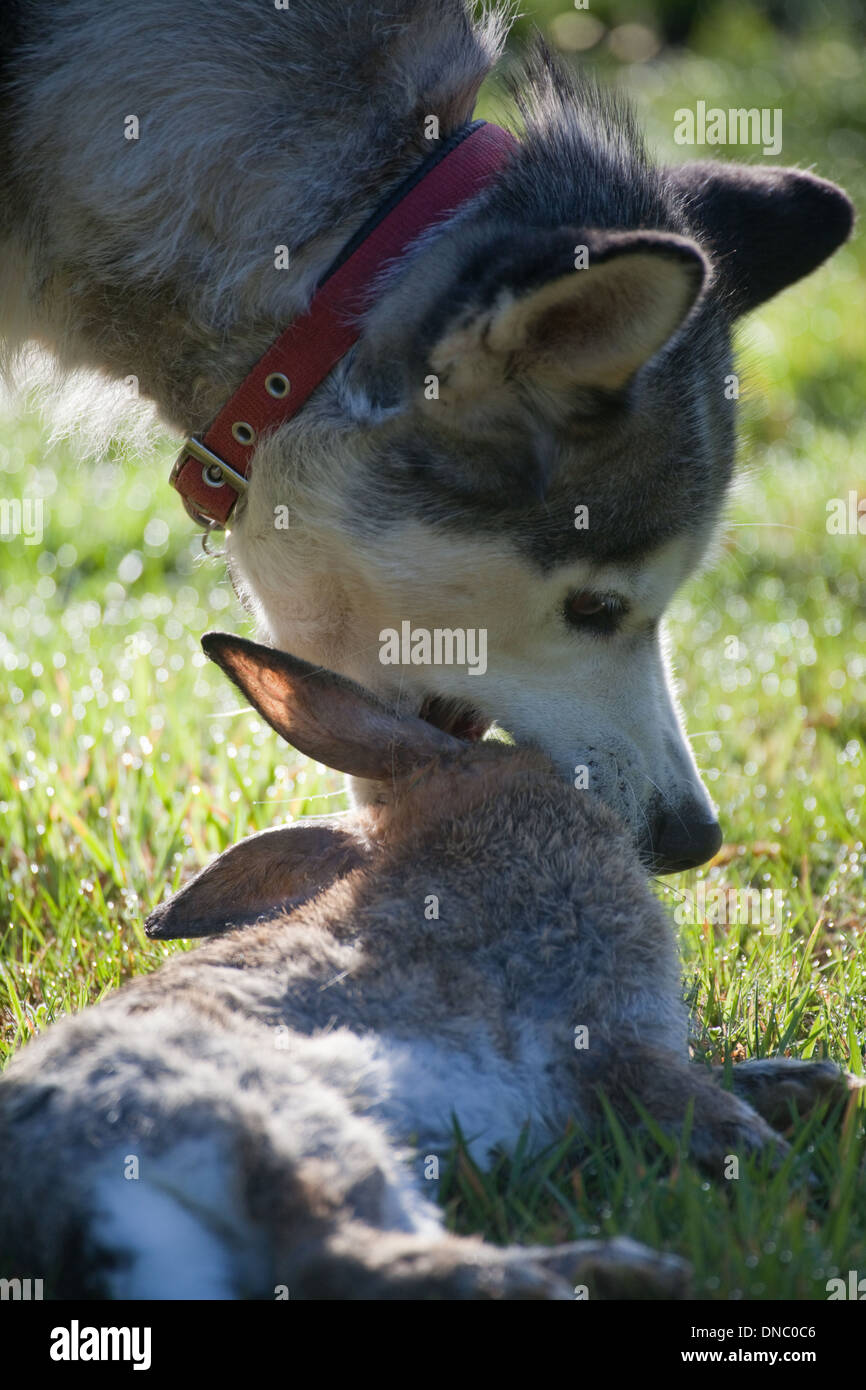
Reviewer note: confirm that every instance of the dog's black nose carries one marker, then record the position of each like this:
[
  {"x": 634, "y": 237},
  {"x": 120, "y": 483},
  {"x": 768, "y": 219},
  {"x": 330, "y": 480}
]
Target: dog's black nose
[{"x": 680, "y": 843}]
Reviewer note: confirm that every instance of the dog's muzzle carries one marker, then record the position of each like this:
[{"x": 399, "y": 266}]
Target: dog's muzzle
[{"x": 680, "y": 843}]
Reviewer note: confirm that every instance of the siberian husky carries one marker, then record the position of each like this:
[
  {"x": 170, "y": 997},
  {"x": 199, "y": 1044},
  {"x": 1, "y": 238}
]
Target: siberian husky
[{"x": 532, "y": 435}]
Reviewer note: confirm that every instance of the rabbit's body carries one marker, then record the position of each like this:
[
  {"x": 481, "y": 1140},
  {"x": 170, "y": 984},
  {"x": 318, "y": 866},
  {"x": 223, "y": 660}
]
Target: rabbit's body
[{"x": 261, "y": 1113}]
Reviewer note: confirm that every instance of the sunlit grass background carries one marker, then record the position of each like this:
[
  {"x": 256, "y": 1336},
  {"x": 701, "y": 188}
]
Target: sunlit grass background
[{"x": 127, "y": 762}]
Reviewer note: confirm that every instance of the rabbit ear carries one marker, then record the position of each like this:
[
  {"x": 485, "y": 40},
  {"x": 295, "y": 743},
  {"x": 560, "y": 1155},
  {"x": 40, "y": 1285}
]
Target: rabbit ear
[
  {"x": 326, "y": 716},
  {"x": 276, "y": 868}
]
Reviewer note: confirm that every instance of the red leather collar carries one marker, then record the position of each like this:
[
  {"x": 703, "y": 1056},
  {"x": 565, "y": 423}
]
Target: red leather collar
[{"x": 211, "y": 473}]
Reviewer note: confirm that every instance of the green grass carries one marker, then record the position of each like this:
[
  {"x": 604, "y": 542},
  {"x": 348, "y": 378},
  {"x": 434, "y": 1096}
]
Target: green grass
[{"x": 127, "y": 762}]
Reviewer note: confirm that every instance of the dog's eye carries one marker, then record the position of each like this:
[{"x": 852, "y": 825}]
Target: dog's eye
[{"x": 592, "y": 611}]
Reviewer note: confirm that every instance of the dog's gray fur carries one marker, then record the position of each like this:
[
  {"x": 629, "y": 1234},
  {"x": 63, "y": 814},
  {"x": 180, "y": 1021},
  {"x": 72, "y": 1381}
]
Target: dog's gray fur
[
  {"x": 283, "y": 1090},
  {"x": 604, "y": 387}
]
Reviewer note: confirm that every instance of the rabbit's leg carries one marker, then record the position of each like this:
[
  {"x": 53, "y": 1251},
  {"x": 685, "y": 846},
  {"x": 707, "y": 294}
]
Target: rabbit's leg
[
  {"x": 668, "y": 1088},
  {"x": 773, "y": 1085},
  {"x": 363, "y": 1263},
  {"x": 616, "y": 1268}
]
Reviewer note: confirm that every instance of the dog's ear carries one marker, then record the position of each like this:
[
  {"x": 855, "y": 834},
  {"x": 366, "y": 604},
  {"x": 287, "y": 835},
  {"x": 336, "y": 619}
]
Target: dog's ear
[
  {"x": 276, "y": 868},
  {"x": 766, "y": 228},
  {"x": 573, "y": 310},
  {"x": 326, "y": 716}
]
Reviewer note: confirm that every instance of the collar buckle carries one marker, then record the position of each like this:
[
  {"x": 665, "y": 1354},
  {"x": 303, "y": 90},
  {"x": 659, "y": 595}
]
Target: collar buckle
[
  {"x": 282, "y": 380},
  {"x": 215, "y": 473}
]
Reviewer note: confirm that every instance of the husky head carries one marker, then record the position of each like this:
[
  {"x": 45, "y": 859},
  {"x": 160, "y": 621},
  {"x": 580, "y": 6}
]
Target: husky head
[
  {"x": 528, "y": 452},
  {"x": 529, "y": 447}
]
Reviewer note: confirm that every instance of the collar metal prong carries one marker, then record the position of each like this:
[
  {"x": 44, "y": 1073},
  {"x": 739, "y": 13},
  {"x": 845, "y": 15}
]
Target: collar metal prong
[{"x": 216, "y": 470}]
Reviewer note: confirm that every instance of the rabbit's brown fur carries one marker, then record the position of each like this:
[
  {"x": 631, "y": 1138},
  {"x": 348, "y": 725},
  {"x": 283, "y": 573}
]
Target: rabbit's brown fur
[
  {"x": 160, "y": 227},
  {"x": 283, "y": 1089}
]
